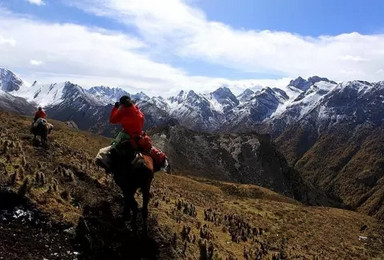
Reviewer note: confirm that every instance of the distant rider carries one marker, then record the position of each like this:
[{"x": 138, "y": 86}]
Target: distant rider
[{"x": 40, "y": 113}]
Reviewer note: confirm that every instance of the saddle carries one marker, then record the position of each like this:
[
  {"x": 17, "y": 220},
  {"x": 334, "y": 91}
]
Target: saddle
[
  {"x": 42, "y": 121},
  {"x": 125, "y": 148}
]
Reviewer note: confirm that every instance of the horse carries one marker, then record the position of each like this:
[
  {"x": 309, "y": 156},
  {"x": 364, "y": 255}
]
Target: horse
[
  {"x": 132, "y": 170},
  {"x": 41, "y": 128}
]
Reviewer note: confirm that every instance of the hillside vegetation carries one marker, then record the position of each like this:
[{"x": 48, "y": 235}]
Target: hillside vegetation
[
  {"x": 73, "y": 209},
  {"x": 346, "y": 163}
]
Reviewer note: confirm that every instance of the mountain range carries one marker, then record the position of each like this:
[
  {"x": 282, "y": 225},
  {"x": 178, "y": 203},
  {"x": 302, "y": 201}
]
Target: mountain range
[
  {"x": 330, "y": 133},
  {"x": 208, "y": 112}
]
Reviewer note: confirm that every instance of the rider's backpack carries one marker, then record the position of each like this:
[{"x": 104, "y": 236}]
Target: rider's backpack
[{"x": 144, "y": 143}]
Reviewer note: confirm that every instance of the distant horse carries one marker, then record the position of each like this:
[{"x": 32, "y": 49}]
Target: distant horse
[
  {"x": 132, "y": 170},
  {"x": 41, "y": 128}
]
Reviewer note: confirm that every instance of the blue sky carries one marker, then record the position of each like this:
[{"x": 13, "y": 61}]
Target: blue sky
[
  {"x": 305, "y": 17},
  {"x": 164, "y": 46},
  {"x": 311, "y": 18}
]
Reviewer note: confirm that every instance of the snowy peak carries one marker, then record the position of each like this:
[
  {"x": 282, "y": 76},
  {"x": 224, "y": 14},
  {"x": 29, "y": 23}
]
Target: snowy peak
[
  {"x": 304, "y": 85},
  {"x": 107, "y": 95},
  {"x": 225, "y": 98},
  {"x": 261, "y": 106},
  {"x": 315, "y": 79},
  {"x": 246, "y": 95},
  {"x": 354, "y": 101},
  {"x": 158, "y": 102},
  {"x": 9, "y": 82},
  {"x": 317, "y": 89},
  {"x": 141, "y": 96},
  {"x": 53, "y": 94},
  {"x": 42, "y": 94},
  {"x": 179, "y": 98},
  {"x": 224, "y": 93},
  {"x": 299, "y": 83},
  {"x": 281, "y": 93},
  {"x": 74, "y": 93},
  {"x": 190, "y": 98},
  {"x": 271, "y": 95}
]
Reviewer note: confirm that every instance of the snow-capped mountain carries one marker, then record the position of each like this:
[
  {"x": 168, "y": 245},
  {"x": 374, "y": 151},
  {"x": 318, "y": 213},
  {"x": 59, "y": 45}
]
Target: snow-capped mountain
[
  {"x": 193, "y": 110},
  {"x": 296, "y": 109},
  {"x": 15, "y": 104},
  {"x": 326, "y": 104},
  {"x": 205, "y": 112},
  {"x": 354, "y": 102},
  {"x": 48, "y": 95},
  {"x": 269, "y": 110},
  {"x": 156, "y": 110},
  {"x": 261, "y": 105},
  {"x": 9, "y": 82},
  {"x": 246, "y": 95},
  {"x": 304, "y": 85},
  {"x": 107, "y": 95},
  {"x": 337, "y": 143},
  {"x": 223, "y": 100}
]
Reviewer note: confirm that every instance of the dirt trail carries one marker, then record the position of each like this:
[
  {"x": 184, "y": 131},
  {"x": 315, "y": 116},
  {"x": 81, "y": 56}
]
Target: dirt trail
[{"x": 25, "y": 233}]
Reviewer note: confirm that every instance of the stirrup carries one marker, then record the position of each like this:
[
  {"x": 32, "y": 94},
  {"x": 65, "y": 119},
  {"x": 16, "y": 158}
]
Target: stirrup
[{"x": 166, "y": 167}]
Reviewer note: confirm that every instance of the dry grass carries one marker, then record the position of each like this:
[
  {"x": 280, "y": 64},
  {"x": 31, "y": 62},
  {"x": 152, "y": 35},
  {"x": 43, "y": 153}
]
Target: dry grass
[{"x": 290, "y": 228}]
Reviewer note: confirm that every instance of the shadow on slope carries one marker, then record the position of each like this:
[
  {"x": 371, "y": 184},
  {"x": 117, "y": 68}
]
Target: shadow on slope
[{"x": 100, "y": 235}]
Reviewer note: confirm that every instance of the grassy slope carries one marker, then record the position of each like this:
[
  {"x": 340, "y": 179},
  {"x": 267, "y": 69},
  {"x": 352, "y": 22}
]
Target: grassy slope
[
  {"x": 71, "y": 184},
  {"x": 350, "y": 166}
]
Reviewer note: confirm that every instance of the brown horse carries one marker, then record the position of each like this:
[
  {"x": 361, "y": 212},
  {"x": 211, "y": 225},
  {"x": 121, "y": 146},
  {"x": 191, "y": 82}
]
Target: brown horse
[{"x": 131, "y": 171}]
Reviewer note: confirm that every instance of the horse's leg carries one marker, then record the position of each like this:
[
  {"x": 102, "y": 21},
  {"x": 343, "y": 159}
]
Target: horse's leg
[
  {"x": 145, "y": 190},
  {"x": 44, "y": 139},
  {"x": 127, "y": 209},
  {"x": 130, "y": 204}
]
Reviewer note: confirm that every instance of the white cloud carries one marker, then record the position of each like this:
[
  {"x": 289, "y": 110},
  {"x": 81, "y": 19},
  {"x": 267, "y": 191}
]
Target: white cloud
[
  {"x": 174, "y": 27},
  {"x": 91, "y": 56},
  {"x": 35, "y": 62},
  {"x": 352, "y": 58},
  {"x": 9, "y": 41},
  {"x": 36, "y": 2}
]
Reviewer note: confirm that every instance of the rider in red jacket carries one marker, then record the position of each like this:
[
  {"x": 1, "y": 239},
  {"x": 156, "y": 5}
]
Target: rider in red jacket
[
  {"x": 129, "y": 116},
  {"x": 40, "y": 113}
]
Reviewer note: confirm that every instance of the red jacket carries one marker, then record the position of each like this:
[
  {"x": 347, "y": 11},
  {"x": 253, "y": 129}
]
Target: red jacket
[
  {"x": 131, "y": 118},
  {"x": 40, "y": 114}
]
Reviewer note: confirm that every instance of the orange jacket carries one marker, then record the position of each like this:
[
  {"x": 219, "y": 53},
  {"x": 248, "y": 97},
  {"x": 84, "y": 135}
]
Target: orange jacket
[
  {"x": 40, "y": 114},
  {"x": 131, "y": 118}
]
